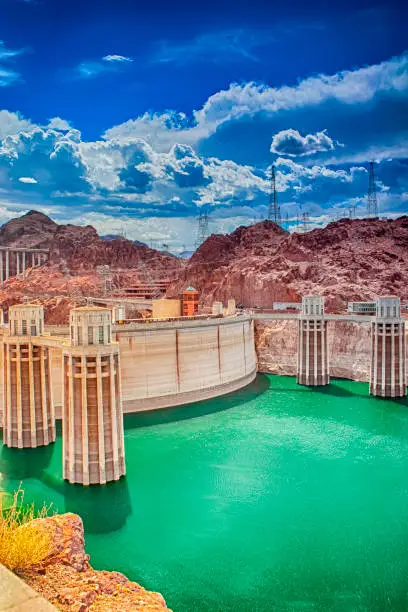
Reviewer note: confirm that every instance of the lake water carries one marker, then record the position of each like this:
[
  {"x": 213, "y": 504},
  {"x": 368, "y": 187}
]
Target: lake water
[{"x": 273, "y": 498}]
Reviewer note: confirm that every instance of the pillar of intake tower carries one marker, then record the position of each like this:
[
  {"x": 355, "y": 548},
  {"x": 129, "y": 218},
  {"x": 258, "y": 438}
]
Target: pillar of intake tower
[
  {"x": 29, "y": 418},
  {"x": 313, "y": 363},
  {"x": 388, "y": 353},
  {"x": 93, "y": 446}
]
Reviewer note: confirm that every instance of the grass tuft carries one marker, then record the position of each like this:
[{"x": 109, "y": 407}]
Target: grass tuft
[{"x": 22, "y": 542}]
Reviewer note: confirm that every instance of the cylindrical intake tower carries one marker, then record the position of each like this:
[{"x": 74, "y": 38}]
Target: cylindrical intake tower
[
  {"x": 29, "y": 418},
  {"x": 388, "y": 352},
  {"x": 313, "y": 363},
  {"x": 93, "y": 445}
]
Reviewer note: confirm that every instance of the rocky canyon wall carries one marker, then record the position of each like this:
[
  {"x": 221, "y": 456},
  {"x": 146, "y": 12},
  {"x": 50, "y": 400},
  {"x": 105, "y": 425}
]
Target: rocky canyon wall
[{"x": 349, "y": 348}]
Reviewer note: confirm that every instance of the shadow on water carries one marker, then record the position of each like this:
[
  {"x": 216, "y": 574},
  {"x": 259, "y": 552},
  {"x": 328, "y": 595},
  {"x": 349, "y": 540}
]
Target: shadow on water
[
  {"x": 21, "y": 463},
  {"x": 151, "y": 418},
  {"x": 336, "y": 391},
  {"x": 103, "y": 508}
]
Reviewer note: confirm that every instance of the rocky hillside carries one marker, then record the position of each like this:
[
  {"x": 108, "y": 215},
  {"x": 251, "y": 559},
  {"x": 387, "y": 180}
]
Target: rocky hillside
[
  {"x": 71, "y": 274},
  {"x": 347, "y": 260},
  {"x": 80, "y": 249}
]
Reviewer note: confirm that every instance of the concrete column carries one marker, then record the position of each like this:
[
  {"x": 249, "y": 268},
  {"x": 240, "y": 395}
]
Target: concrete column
[
  {"x": 178, "y": 360},
  {"x": 244, "y": 347},
  {"x": 17, "y": 254},
  {"x": 7, "y": 264},
  {"x": 71, "y": 422},
  {"x": 45, "y": 403},
  {"x": 307, "y": 352},
  {"x": 1, "y": 267},
  {"x": 300, "y": 349},
  {"x": 315, "y": 350},
  {"x": 114, "y": 419},
  {"x": 84, "y": 413},
  {"x": 19, "y": 399},
  {"x": 7, "y": 408},
  {"x": 402, "y": 365},
  {"x": 101, "y": 429},
  {"x": 24, "y": 263},
  {"x": 33, "y": 260},
  {"x": 32, "y": 397}
]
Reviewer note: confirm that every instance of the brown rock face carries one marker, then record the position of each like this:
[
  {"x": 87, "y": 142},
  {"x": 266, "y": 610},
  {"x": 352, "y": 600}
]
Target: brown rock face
[
  {"x": 347, "y": 260},
  {"x": 68, "y": 581},
  {"x": 349, "y": 348},
  {"x": 75, "y": 253},
  {"x": 33, "y": 230}
]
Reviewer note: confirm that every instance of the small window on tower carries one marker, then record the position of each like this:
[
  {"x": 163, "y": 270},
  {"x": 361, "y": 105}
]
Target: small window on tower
[
  {"x": 24, "y": 327},
  {"x": 90, "y": 335},
  {"x": 100, "y": 334}
]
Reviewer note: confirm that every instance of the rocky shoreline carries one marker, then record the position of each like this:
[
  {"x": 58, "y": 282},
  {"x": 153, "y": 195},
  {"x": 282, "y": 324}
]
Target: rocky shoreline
[{"x": 67, "y": 580}]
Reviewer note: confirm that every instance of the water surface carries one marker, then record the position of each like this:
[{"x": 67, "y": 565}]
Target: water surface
[{"x": 273, "y": 498}]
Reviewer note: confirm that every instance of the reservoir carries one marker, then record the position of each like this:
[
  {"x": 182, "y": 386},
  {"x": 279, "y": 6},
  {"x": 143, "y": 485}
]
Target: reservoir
[{"x": 273, "y": 498}]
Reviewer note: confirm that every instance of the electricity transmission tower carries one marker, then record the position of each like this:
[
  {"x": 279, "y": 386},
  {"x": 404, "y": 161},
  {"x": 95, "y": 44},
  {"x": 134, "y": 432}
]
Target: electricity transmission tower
[
  {"x": 105, "y": 273},
  {"x": 274, "y": 208},
  {"x": 202, "y": 232},
  {"x": 305, "y": 221},
  {"x": 372, "y": 207}
]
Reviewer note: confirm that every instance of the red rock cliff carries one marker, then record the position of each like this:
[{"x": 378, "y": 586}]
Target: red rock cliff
[{"x": 347, "y": 260}]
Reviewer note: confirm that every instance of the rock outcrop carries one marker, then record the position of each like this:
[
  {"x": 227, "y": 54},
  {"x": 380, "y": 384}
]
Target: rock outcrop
[
  {"x": 78, "y": 248},
  {"x": 71, "y": 273},
  {"x": 68, "y": 581},
  {"x": 349, "y": 348},
  {"x": 347, "y": 260}
]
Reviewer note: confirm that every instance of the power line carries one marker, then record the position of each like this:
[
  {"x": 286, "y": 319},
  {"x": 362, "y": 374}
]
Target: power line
[
  {"x": 372, "y": 207},
  {"x": 274, "y": 208}
]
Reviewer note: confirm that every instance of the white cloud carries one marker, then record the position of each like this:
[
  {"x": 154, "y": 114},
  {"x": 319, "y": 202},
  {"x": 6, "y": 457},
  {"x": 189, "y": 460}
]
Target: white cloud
[
  {"x": 27, "y": 179},
  {"x": 291, "y": 142},
  {"x": 347, "y": 87},
  {"x": 56, "y": 123},
  {"x": 117, "y": 58},
  {"x": 12, "y": 123}
]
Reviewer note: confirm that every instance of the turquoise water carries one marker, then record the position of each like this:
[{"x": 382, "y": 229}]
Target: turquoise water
[{"x": 276, "y": 497}]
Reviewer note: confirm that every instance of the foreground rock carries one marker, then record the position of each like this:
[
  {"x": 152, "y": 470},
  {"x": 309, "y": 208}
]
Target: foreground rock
[{"x": 68, "y": 581}]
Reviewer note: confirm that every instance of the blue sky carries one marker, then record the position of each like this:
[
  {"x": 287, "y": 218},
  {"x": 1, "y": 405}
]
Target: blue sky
[{"x": 134, "y": 117}]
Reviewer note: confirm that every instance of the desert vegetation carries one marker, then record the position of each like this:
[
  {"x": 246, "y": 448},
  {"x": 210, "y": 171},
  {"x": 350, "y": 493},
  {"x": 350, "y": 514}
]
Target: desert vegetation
[{"x": 23, "y": 541}]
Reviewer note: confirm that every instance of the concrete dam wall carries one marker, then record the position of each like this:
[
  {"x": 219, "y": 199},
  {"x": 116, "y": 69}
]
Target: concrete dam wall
[{"x": 171, "y": 364}]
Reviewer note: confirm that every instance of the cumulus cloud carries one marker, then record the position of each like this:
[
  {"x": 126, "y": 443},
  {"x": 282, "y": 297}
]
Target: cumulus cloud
[
  {"x": 12, "y": 123},
  {"x": 347, "y": 90},
  {"x": 28, "y": 180},
  {"x": 56, "y": 123},
  {"x": 160, "y": 165},
  {"x": 291, "y": 142}
]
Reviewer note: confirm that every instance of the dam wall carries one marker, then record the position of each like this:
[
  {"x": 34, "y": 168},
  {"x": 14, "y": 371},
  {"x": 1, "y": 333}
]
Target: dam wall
[{"x": 168, "y": 364}]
